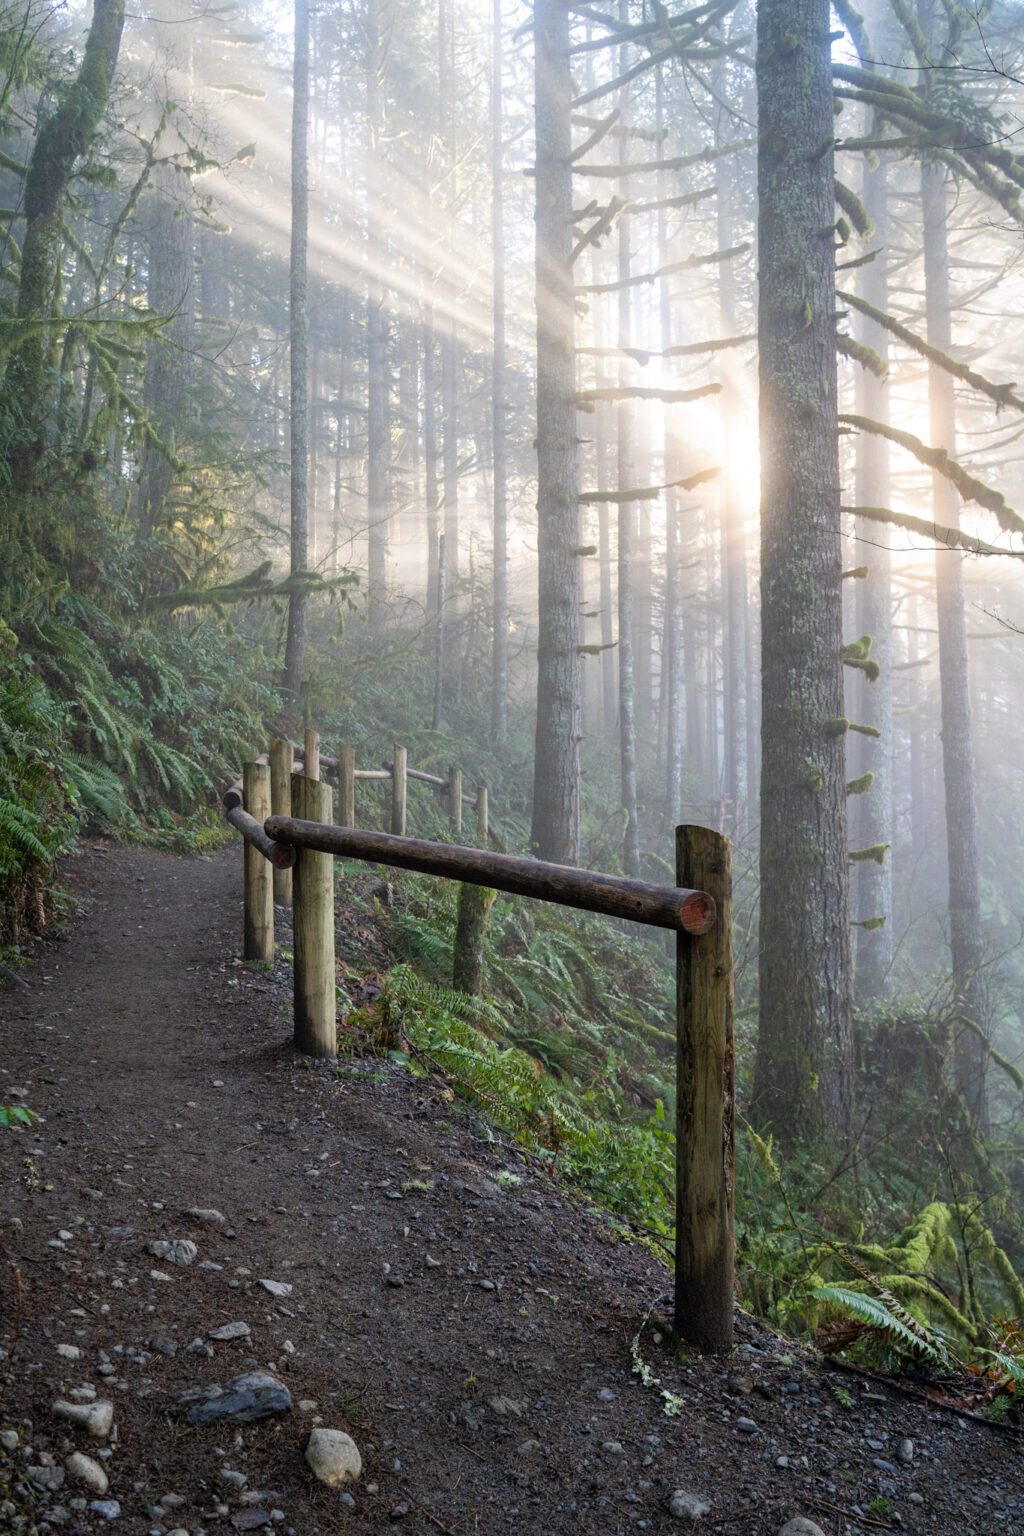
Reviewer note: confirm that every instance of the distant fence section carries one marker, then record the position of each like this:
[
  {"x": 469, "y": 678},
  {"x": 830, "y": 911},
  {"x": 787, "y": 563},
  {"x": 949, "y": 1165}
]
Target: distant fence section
[{"x": 285, "y": 812}]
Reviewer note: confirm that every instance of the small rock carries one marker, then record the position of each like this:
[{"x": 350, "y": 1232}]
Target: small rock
[
  {"x": 236, "y": 1479},
  {"x": 179, "y": 1250},
  {"x": 801, "y": 1526},
  {"x": 333, "y": 1457},
  {"x": 916, "y": 1498},
  {"x": 110, "y": 1509},
  {"x": 746, "y": 1426},
  {"x": 528, "y": 1448},
  {"x": 250, "y": 1519},
  {"x": 606, "y": 1395},
  {"x": 399, "y": 1512},
  {"x": 505, "y": 1405},
  {"x": 87, "y": 1471},
  {"x": 49, "y": 1479},
  {"x": 207, "y": 1215},
  {"x": 905, "y": 1452},
  {"x": 613, "y": 1448},
  {"x": 9, "y": 1439},
  {"x": 255, "y": 1395},
  {"x": 277, "y": 1287},
  {"x": 488, "y": 1285},
  {"x": 69, "y": 1351},
  {"x": 228, "y": 1331},
  {"x": 346, "y": 1501},
  {"x": 96, "y": 1418},
  {"x": 688, "y": 1506}
]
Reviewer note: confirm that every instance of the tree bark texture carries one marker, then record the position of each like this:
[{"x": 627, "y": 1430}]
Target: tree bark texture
[
  {"x": 556, "y": 792},
  {"x": 803, "y": 1076}
]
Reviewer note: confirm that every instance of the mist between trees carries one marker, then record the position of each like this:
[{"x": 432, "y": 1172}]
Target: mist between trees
[{"x": 619, "y": 401}]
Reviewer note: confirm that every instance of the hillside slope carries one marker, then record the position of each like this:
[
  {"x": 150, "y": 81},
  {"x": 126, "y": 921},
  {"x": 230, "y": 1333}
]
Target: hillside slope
[{"x": 438, "y": 1297}]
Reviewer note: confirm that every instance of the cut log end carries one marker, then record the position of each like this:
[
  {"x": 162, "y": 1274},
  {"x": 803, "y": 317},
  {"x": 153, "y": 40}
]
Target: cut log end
[{"x": 697, "y": 913}]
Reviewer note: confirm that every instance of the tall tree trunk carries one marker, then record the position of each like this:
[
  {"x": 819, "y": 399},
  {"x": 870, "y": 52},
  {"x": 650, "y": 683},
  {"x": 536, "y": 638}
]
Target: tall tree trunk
[
  {"x": 875, "y": 818},
  {"x": 733, "y": 556},
  {"x": 499, "y": 424},
  {"x": 803, "y": 1077},
  {"x": 298, "y": 320},
  {"x": 556, "y": 790},
  {"x": 378, "y": 427},
  {"x": 171, "y": 282},
  {"x": 448, "y": 329},
  {"x": 967, "y": 949},
  {"x": 63, "y": 138},
  {"x": 430, "y": 489},
  {"x": 627, "y": 477}
]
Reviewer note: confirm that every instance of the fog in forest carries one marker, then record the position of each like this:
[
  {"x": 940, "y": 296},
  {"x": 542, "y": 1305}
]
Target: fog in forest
[{"x": 621, "y": 404}]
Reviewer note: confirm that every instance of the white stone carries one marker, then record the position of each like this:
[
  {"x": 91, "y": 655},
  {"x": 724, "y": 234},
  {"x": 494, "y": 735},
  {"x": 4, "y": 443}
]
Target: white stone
[
  {"x": 179, "y": 1250},
  {"x": 87, "y": 1471},
  {"x": 97, "y": 1418},
  {"x": 9, "y": 1439},
  {"x": 333, "y": 1457},
  {"x": 688, "y": 1506},
  {"x": 207, "y": 1215},
  {"x": 69, "y": 1351},
  {"x": 801, "y": 1526},
  {"x": 277, "y": 1287}
]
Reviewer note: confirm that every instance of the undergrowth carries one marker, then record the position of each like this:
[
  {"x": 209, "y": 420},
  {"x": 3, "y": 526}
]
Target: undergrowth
[{"x": 906, "y": 1263}]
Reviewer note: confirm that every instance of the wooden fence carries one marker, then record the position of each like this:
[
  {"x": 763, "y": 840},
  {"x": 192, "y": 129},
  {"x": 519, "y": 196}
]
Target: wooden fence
[{"x": 291, "y": 838}]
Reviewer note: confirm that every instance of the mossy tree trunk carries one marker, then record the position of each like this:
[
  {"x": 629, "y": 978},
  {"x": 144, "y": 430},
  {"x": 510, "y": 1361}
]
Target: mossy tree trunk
[
  {"x": 475, "y": 903},
  {"x": 803, "y": 1076},
  {"x": 63, "y": 139},
  {"x": 556, "y": 791}
]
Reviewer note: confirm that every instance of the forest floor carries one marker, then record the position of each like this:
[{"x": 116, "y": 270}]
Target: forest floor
[{"x": 473, "y": 1334}]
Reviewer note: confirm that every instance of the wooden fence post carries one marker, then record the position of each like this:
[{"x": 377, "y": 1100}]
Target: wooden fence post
[
  {"x": 483, "y": 823},
  {"x": 705, "y": 1102},
  {"x": 316, "y": 1031},
  {"x": 281, "y": 760},
  {"x": 346, "y": 786},
  {"x": 398, "y": 791},
  {"x": 455, "y": 800},
  {"x": 311, "y": 754},
  {"x": 258, "y": 938}
]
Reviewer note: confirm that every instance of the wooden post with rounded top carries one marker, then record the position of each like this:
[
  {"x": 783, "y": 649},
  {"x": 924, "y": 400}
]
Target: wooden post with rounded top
[
  {"x": 311, "y": 754},
  {"x": 455, "y": 800},
  {"x": 316, "y": 1031},
  {"x": 281, "y": 760},
  {"x": 346, "y": 786},
  {"x": 705, "y": 1103},
  {"x": 258, "y": 937},
  {"x": 483, "y": 822},
  {"x": 398, "y": 791}
]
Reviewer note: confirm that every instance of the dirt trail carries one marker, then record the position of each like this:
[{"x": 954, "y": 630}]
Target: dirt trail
[{"x": 474, "y": 1339}]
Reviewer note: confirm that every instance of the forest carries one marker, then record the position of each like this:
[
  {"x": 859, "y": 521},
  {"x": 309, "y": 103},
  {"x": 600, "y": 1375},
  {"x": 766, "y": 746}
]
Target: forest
[{"x": 620, "y": 402}]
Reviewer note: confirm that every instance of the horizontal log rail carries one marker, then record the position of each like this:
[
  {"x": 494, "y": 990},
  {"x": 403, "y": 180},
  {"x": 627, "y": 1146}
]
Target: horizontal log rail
[
  {"x": 281, "y": 855},
  {"x": 286, "y": 818},
  {"x": 658, "y": 906}
]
